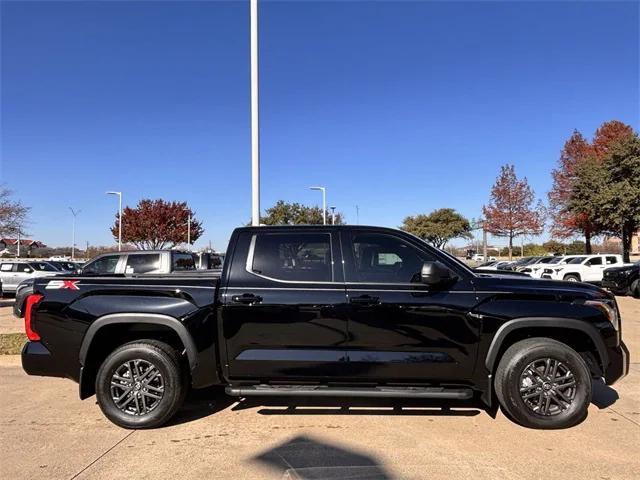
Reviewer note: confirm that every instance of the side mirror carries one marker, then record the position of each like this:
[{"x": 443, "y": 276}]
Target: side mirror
[
  {"x": 28, "y": 270},
  {"x": 435, "y": 273}
]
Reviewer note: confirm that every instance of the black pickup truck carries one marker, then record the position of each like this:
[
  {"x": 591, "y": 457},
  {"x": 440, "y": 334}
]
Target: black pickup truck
[{"x": 329, "y": 311}]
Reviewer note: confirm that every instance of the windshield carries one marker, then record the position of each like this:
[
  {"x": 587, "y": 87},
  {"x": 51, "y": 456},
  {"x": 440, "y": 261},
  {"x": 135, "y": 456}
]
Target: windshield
[
  {"x": 555, "y": 260},
  {"x": 486, "y": 264},
  {"x": 575, "y": 260},
  {"x": 43, "y": 267}
]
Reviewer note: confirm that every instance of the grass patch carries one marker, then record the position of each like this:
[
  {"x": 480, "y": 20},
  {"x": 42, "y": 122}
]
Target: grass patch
[{"x": 11, "y": 343}]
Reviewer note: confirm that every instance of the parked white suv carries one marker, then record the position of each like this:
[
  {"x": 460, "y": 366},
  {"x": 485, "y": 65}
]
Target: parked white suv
[
  {"x": 12, "y": 272},
  {"x": 544, "y": 268},
  {"x": 585, "y": 268}
]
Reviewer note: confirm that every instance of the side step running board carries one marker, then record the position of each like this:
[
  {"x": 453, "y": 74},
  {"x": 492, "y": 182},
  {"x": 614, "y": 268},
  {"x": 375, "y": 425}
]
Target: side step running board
[{"x": 323, "y": 391}]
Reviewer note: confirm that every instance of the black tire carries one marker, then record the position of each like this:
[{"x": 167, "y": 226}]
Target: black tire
[
  {"x": 169, "y": 382},
  {"x": 511, "y": 379},
  {"x": 571, "y": 277}
]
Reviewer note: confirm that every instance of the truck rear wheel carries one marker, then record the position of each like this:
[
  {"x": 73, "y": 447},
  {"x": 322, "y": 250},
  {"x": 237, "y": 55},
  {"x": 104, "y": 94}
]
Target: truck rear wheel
[
  {"x": 141, "y": 384},
  {"x": 543, "y": 383}
]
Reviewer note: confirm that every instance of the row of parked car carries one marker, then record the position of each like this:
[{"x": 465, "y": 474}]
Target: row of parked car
[
  {"x": 15, "y": 272},
  {"x": 607, "y": 270}
]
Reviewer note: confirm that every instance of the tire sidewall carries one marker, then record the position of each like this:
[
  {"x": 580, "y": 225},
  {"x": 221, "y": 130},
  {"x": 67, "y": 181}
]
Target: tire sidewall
[
  {"x": 517, "y": 407},
  {"x": 170, "y": 375}
]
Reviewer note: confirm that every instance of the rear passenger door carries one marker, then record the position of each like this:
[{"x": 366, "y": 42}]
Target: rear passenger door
[{"x": 283, "y": 306}]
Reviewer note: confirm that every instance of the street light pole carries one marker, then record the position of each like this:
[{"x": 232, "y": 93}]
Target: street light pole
[
  {"x": 189, "y": 231},
  {"x": 119, "y": 194},
  {"x": 255, "y": 126},
  {"x": 75, "y": 213},
  {"x": 324, "y": 202}
]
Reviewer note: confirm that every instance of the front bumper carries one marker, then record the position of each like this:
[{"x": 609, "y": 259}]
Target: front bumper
[
  {"x": 38, "y": 360},
  {"x": 619, "y": 361},
  {"x": 615, "y": 284}
]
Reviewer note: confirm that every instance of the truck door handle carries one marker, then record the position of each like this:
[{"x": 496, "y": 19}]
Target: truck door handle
[
  {"x": 365, "y": 300},
  {"x": 246, "y": 298}
]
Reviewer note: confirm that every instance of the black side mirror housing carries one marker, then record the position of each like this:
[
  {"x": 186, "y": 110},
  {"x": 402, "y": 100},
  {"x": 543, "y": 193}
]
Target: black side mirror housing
[{"x": 435, "y": 273}]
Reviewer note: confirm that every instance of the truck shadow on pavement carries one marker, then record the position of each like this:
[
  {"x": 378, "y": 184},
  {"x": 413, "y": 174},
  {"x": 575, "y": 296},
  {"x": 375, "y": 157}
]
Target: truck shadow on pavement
[
  {"x": 303, "y": 457},
  {"x": 355, "y": 406},
  {"x": 603, "y": 395},
  {"x": 209, "y": 401}
]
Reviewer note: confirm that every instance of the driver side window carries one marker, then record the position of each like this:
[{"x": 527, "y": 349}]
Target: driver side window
[
  {"x": 381, "y": 258},
  {"x": 102, "y": 266}
]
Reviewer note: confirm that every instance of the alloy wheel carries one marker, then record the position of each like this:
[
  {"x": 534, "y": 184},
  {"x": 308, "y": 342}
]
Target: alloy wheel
[
  {"x": 137, "y": 387},
  {"x": 547, "y": 386}
]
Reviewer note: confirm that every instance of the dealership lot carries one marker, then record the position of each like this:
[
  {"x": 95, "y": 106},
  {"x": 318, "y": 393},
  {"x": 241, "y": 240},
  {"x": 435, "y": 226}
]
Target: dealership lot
[{"x": 47, "y": 432}]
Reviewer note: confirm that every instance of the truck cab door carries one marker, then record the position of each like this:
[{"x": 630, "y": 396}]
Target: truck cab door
[
  {"x": 283, "y": 306},
  {"x": 594, "y": 268},
  {"x": 402, "y": 330}
]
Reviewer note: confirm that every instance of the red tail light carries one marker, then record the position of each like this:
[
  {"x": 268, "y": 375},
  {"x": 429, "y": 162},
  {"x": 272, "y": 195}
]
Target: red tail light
[{"x": 32, "y": 300}]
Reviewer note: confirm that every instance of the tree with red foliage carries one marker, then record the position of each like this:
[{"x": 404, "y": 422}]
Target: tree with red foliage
[
  {"x": 575, "y": 153},
  {"x": 607, "y": 134},
  {"x": 157, "y": 224},
  {"x": 511, "y": 211}
]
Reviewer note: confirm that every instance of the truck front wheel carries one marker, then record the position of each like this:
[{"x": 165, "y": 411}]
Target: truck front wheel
[
  {"x": 543, "y": 383},
  {"x": 141, "y": 384}
]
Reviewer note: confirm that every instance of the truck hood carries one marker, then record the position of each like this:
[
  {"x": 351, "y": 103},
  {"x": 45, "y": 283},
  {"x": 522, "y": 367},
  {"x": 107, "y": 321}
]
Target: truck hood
[
  {"x": 623, "y": 268},
  {"x": 528, "y": 285}
]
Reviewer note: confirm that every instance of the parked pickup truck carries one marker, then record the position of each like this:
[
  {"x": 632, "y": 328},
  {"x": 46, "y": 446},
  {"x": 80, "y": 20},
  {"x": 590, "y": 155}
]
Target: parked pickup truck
[
  {"x": 623, "y": 280},
  {"x": 134, "y": 262},
  {"x": 584, "y": 268},
  {"x": 333, "y": 311}
]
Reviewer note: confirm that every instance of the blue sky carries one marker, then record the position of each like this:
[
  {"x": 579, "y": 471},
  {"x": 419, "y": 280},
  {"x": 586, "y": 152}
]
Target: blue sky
[{"x": 398, "y": 107}]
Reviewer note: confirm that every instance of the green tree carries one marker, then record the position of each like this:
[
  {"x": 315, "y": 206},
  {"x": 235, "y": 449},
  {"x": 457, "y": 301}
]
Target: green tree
[
  {"x": 285, "y": 213},
  {"x": 611, "y": 190},
  {"x": 619, "y": 205},
  {"x": 438, "y": 227}
]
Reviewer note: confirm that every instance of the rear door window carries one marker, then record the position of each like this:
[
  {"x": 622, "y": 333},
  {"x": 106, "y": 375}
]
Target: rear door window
[
  {"x": 24, "y": 268},
  {"x": 182, "y": 262},
  {"x": 142, "y": 263},
  {"x": 292, "y": 257},
  {"x": 595, "y": 261},
  {"x": 611, "y": 260}
]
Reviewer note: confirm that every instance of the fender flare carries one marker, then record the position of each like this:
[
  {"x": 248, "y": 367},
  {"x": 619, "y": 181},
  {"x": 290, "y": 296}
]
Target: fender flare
[
  {"x": 148, "y": 318},
  {"x": 545, "y": 322}
]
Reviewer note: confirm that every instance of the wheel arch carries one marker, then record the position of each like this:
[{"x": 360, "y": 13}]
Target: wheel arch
[
  {"x": 568, "y": 330},
  {"x": 170, "y": 325},
  {"x": 572, "y": 274}
]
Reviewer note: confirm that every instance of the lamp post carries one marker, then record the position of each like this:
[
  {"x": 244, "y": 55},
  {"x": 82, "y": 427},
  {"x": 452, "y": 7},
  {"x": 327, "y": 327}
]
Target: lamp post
[
  {"x": 119, "y": 194},
  {"x": 189, "y": 231},
  {"x": 255, "y": 127},
  {"x": 75, "y": 213},
  {"x": 324, "y": 202},
  {"x": 333, "y": 215}
]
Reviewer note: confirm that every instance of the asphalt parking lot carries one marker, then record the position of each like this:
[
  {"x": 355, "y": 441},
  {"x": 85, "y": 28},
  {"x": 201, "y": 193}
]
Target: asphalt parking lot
[{"x": 47, "y": 432}]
